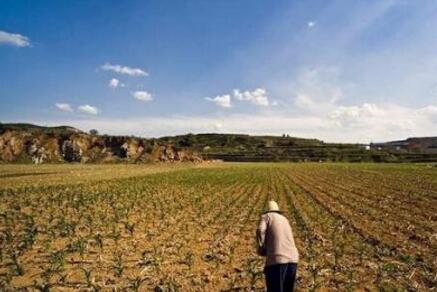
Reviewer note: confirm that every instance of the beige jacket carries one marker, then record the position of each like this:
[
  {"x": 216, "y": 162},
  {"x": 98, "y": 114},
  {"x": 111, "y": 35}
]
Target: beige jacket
[{"x": 275, "y": 239}]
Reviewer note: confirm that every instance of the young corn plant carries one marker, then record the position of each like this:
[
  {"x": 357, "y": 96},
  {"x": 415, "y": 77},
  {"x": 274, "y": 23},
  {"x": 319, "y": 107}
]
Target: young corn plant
[
  {"x": 99, "y": 240},
  {"x": 89, "y": 223},
  {"x": 252, "y": 267},
  {"x": 135, "y": 283},
  {"x": 350, "y": 285},
  {"x": 129, "y": 227},
  {"x": 57, "y": 261},
  {"x": 47, "y": 275},
  {"x": 118, "y": 264},
  {"x": 361, "y": 248},
  {"x": 43, "y": 287},
  {"x": 81, "y": 246},
  {"x": 87, "y": 274},
  {"x": 16, "y": 264},
  {"x": 30, "y": 233},
  {"x": 189, "y": 259},
  {"x": 62, "y": 277},
  {"x": 314, "y": 272},
  {"x": 338, "y": 250},
  {"x": 115, "y": 234},
  {"x": 5, "y": 282}
]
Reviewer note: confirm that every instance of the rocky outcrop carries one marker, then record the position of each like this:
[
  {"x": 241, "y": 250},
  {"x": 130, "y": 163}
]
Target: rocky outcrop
[
  {"x": 44, "y": 149},
  {"x": 25, "y": 146},
  {"x": 167, "y": 153},
  {"x": 133, "y": 148}
]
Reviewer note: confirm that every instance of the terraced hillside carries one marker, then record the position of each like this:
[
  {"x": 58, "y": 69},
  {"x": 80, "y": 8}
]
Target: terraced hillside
[
  {"x": 182, "y": 228},
  {"x": 27, "y": 143}
]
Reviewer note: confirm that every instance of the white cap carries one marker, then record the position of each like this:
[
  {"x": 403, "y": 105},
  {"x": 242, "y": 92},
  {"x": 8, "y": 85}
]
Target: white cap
[{"x": 273, "y": 206}]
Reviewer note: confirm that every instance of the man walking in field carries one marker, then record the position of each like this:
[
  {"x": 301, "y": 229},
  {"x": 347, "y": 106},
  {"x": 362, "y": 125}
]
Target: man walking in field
[{"x": 276, "y": 243}]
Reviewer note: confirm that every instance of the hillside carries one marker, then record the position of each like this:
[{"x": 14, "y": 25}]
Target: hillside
[
  {"x": 30, "y": 143},
  {"x": 234, "y": 147},
  {"x": 38, "y": 129},
  {"x": 415, "y": 144},
  {"x": 27, "y": 142}
]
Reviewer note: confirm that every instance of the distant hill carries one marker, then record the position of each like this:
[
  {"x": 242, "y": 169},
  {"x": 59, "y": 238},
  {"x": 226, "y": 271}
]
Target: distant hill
[
  {"x": 232, "y": 141},
  {"x": 26, "y": 142},
  {"x": 239, "y": 147},
  {"x": 415, "y": 144},
  {"x": 38, "y": 129}
]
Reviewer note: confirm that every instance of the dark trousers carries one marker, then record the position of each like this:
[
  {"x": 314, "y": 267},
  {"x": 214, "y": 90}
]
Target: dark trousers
[{"x": 280, "y": 278}]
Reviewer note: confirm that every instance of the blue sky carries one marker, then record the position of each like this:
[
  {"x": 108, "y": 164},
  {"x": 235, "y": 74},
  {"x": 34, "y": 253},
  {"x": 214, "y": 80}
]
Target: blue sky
[{"x": 351, "y": 71}]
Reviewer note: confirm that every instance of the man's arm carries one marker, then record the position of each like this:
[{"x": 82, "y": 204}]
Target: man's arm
[{"x": 261, "y": 236}]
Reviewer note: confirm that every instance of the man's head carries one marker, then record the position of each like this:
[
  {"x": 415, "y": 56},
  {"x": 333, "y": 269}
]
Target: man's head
[{"x": 273, "y": 206}]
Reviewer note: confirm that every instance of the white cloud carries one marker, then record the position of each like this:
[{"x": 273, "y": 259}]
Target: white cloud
[
  {"x": 234, "y": 123},
  {"x": 258, "y": 96},
  {"x": 218, "y": 126},
  {"x": 142, "y": 95},
  {"x": 304, "y": 101},
  {"x": 316, "y": 91},
  {"x": 428, "y": 110},
  {"x": 221, "y": 100},
  {"x": 374, "y": 122},
  {"x": 397, "y": 122},
  {"x": 321, "y": 84},
  {"x": 311, "y": 24},
  {"x": 88, "y": 109},
  {"x": 124, "y": 70},
  {"x": 354, "y": 112},
  {"x": 14, "y": 39},
  {"x": 65, "y": 107},
  {"x": 115, "y": 83}
]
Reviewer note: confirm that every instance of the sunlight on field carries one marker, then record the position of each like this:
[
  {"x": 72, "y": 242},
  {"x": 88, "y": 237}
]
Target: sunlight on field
[
  {"x": 55, "y": 174},
  {"x": 188, "y": 227}
]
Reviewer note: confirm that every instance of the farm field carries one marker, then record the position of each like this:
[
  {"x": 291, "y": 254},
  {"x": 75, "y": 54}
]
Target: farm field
[{"x": 191, "y": 228}]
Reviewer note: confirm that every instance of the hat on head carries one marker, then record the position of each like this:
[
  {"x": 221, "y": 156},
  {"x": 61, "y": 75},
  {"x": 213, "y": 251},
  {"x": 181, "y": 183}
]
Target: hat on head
[{"x": 273, "y": 206}]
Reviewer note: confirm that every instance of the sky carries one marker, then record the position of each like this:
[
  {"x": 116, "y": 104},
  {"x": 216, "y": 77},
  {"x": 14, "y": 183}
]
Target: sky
[{"x": 343, "y": 71}]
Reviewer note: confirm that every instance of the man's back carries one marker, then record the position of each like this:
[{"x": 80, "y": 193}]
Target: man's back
[
  {"x": 278, "y": 239},
  {"x": 275, "y": 241}
]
